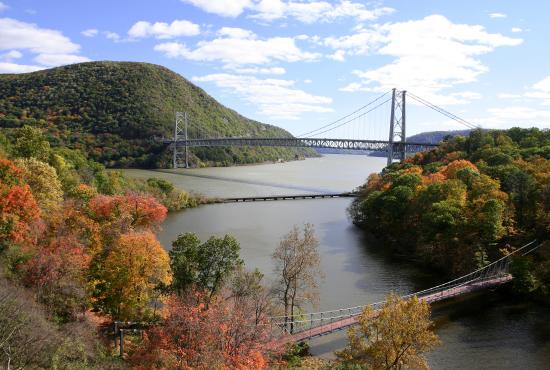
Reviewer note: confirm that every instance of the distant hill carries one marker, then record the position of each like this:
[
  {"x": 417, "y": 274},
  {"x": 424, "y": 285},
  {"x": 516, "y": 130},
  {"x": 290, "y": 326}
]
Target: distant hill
[
  {"x": 114, "y": 110},
  {"x": 434, "y": 137}
]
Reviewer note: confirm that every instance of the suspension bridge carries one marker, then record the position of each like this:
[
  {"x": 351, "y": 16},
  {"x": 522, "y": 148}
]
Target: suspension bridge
[
  {"x": 364, "y": 129},
  {"x": 310, "y": 325}
]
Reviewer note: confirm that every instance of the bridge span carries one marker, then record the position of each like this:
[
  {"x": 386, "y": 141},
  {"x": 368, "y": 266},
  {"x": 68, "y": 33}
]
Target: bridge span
[
  {"x": 287, "y": 197},
  {"x": 320, "y": 143},
  {"x": 315, "y": 324}
]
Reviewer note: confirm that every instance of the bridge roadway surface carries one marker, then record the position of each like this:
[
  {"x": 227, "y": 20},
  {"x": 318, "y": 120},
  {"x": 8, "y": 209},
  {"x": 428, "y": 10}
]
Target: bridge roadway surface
[
  {"x": 430, "y": 298},
  {"x": 322, "y": 143},
  {"x": 287, "y": 197}
]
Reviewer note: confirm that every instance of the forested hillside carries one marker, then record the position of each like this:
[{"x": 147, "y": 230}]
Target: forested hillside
[
  {"x": 113, "y": 111},
  {"x": 466, "y": 203},
  {"x": 434, "y": 137}
]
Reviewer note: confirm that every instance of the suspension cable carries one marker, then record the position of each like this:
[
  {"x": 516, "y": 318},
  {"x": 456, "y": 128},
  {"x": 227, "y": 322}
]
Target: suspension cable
[
  {"x": 443, "y": 111},
  {"x": 354, "y": 118},
  {"x": 346, "y": 116}
]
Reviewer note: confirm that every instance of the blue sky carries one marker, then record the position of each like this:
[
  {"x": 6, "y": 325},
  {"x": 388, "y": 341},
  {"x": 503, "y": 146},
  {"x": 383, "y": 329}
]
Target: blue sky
[{"x": 302, "y": 63}]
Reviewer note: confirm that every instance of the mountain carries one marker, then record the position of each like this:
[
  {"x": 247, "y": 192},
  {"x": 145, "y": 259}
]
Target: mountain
[
  {"x": 113, "y": 111},
  {"x": 434, "y": 137}
]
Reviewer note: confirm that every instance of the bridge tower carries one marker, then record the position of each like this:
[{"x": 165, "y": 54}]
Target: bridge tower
[
  {"x": 180, "y": 128},
  {"x": 396, "y": 148}
]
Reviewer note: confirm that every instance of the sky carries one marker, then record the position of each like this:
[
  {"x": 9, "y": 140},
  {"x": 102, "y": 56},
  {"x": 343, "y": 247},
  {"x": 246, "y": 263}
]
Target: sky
[{"x": 300, "y": 64}]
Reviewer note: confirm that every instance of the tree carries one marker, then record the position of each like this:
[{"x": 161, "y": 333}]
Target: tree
[
  {"x": 31, "y": 143},
  {"x": 194, "y": 336},
  {"x": 394, "y": 337},
  {"x": 297, "y": 269},
  {"x": 18, "y": 207},
  {"x": 130, "y": 274},
  {"x": 44, "y": 183},
  {"x": 203, "y": 266}
]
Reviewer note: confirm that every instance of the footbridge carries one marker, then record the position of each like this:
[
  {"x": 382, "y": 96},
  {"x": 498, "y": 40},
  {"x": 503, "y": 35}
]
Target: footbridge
[
  {"x": 364, "y": 130},
  {"x": 315, "y": 324}
]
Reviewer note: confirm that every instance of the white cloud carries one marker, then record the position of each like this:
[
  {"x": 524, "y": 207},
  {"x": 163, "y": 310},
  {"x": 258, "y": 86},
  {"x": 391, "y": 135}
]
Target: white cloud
[
  {"x": 91, "y": 32},
  {"x": 11, "y": 55},
  {"x": 275, "y": 98},
  {"x": 307, "y": 81},
  {"x": 20, "y": 35},
  {"x": 304, "y": 11},
  {"x": 516, "y": 29},
  {"x": 236, "y": 33},
  {"x": 541, "y": 90},
  {"x": 225, "y": 8},
  {"x": 238, "y": 47},
  {"x": 497, "y": 15},
  {"x": 3, "y": 7},
  {"x": 431, "y": 55},
  {"x": 515, "y": 116},
  {"x": 112, "y": 36},
  {"x": 258, "y": 70},
  {"x": 18, "y": 68},
  {"x": 52, "y": 47},
  {"x": 316, "y": 11},
  {"x": 54, "y": 60},
  {"x": 162, "y": 30},
  {"x": 339, "y": 55}
]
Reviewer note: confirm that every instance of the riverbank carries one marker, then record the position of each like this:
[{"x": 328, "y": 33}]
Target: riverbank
[{"x": 358, "y": 270}]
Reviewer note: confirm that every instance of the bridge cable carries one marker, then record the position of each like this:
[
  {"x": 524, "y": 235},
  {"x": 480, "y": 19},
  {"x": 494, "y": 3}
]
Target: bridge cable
[
  {"x": 443, "y": 111},
  {"x": 348, "y": 121},
  {"x": 346, "y": 116}
]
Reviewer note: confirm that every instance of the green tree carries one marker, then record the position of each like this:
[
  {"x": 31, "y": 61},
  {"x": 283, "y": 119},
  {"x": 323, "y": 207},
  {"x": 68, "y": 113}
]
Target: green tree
[
  {"x": 30, "y": 142},
  {"x": 204, "y": 266}
]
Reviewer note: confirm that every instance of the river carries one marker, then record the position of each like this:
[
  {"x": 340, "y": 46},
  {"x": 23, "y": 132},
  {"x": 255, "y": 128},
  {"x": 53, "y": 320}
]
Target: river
[{"x": 482, "y": 331}]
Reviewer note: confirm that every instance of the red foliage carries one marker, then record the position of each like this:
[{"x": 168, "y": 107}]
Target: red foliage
[
  {"x": 18, "y": 210},
  {"x": 10, "y": 174},
  {"x": 63, "y": 257},
  {"x": 137, "y": 210},
  {"x": 221, "y": 336}
]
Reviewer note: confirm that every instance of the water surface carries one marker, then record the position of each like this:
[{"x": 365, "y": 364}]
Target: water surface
[{"x": 484, "y": 331}]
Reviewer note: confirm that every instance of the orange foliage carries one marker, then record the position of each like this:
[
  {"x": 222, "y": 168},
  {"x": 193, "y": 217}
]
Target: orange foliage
[
  {"x": 18, "y": 210},
  {"x": 413, "y": 169},
  {"x": 450, "y": 170},
  {"x": 62, "y": 257},
  {"x": 433, "y": 178},
  {"x": 228, "y": 338},
  {"x": 71, "y": 221},
  {"x": 453, "y": 156},
  {"x": 128, "y": 211}
]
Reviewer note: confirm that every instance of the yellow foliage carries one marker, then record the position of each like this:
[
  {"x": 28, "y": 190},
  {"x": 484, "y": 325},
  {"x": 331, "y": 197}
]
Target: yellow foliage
[
  {"x": 393, "y": 337},
  {"x": 134, "y": 267}
]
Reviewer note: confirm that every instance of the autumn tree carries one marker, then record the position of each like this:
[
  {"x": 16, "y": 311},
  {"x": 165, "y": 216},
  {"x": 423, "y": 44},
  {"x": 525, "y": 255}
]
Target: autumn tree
[
  {"x": 297, "y": 270},
  {"x": 44, "y": 183},
  {"x": 394, "y": 337},
  {"x": 30, "y": 142},
  {"x": 18, "y": 207},
  {"x": 194, "y": 336},
  {"x": 130, "y": 274},
  {"x": 204, "y": 266}
]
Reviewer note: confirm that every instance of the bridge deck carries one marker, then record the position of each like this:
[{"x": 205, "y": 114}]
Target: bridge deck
[
  {"x": 288, "y": 197},
  {"x": 431, "y": 298}
]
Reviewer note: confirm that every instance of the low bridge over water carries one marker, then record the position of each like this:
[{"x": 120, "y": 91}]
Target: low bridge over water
[{"x": 315, "y": 324}]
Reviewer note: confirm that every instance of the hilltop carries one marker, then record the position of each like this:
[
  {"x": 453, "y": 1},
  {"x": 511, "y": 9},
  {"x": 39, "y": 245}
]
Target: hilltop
[
  {"x": 434, "y": 137},
  {"x": 113, "y": 111}
]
